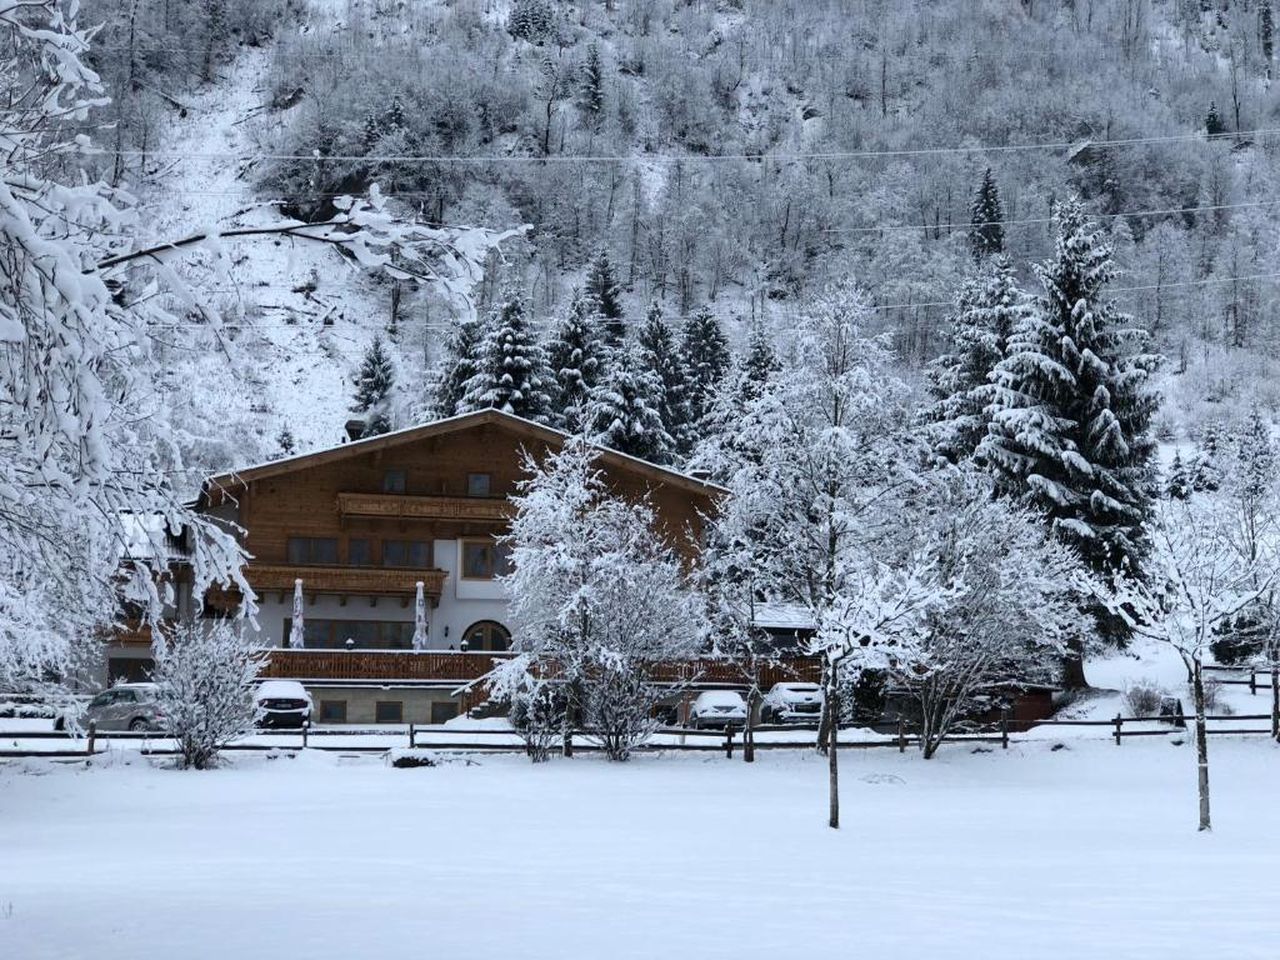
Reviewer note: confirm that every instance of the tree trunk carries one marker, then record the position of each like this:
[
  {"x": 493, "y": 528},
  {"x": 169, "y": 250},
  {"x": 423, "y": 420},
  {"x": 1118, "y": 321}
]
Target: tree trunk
[
  {"x": 1073, "y": 667},
  {"x": 1202, "y": 744},
  {"x": 749, "y": 731},
  {"x": 1275, "y": 699},
  {"x": 824, "y": 718},
  {"x": 833, "y": 768}
]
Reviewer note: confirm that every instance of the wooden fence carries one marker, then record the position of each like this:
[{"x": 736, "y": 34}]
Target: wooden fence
[{"x": 488, "y": 740}]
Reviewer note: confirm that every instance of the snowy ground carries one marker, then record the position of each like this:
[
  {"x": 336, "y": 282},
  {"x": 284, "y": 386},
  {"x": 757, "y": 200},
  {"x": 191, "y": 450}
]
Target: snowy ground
[{"x": 1086, "y": 851}]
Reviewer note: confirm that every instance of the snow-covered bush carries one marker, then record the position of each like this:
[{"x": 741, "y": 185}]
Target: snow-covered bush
[
  {"x": 536, "y": 706},
  {"x": 206, "y": 676},
  {"x": 1143, "y": 698}
]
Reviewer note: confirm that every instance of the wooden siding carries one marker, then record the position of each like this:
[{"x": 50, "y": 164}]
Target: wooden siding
[
  {"x": 391, "y": 506},
  {"x": 360, "y": 581}
]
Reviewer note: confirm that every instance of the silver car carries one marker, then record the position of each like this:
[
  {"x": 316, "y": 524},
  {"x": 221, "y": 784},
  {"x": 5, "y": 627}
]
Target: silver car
[{"x": 127, "y": 706}]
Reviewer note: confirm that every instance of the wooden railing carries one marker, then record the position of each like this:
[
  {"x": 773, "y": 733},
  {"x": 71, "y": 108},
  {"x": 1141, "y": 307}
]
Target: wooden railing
[
  {"x": 401, "y": 506},
  {"x": 383, "y": 581},
  {"x": 456, "y": 666}
]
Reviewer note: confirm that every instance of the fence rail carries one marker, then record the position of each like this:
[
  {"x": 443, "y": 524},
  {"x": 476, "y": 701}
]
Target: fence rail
[{"x": 495, "y": 740}]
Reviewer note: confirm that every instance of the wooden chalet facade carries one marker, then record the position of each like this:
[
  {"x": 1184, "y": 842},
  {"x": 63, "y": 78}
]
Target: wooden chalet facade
[{"x": 361, "y": 524}]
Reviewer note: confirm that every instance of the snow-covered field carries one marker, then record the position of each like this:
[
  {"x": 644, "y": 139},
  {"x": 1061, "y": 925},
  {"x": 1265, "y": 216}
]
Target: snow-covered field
[{"x": 1085, "y": 851}]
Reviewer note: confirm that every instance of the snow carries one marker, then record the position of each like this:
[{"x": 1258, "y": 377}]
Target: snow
[
  {"x": 282, "y": 690},
  {"x": 1089, "y": 851}
]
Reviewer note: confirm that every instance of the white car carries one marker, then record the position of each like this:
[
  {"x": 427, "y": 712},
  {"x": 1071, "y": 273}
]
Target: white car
[
  {"x": 792, "y": 703},
  {"x": 283, "y": 703},
  {"x": 718, "y": 708}
]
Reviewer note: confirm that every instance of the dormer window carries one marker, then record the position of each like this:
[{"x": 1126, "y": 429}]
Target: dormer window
[{"x": 478, "y": 484}]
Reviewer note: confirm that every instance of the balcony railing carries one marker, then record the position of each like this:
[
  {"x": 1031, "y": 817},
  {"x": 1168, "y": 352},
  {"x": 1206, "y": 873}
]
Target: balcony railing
[
  {"x": 459, "y": 667},
  {"x": 402, "y": 507},
  {"x": 363, "y": 581}
]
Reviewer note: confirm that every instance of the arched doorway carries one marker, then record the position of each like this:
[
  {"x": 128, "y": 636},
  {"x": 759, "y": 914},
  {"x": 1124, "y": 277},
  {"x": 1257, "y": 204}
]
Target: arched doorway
[{"x": 486, "y": 635}]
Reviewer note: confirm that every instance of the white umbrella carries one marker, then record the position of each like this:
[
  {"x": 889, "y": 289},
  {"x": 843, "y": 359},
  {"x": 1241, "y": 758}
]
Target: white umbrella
[
  {"x": 297, "y": 631},
  {"x": 420, "y": 620}
]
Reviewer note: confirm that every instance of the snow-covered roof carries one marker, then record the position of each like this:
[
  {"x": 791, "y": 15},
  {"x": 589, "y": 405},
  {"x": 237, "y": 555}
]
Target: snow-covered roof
[
  {"x": 146, "y": 537},
  {"x": 452, "y": 424},
  {"x": 784, "y": 616}
]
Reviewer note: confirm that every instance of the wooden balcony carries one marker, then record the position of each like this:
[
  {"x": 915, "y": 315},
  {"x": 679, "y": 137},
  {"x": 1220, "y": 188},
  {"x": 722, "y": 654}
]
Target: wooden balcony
[
  {"x": 447, "y": 666},
  {"x": 346, "y": 581},
  {"x": 393, "y": 506}
]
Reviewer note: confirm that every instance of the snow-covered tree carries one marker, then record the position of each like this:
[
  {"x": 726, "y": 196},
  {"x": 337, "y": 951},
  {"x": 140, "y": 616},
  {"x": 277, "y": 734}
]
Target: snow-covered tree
[
  {"x": 460, "y": 363},
  {"x": 532, "y": 20},
  {"x": 578, "y": 359},
  {"x": 706, "y": 360},
  {"x": 1206, "y": 466},
  {"x": 1006, "y": 602},
  {"x": 988, "y": 307},
  {"x": 658, "y": 353},
  {"x": 986, "y": 223},
  {"x": 1070, "y": 428},
  {"x": 624, "y": 411},
  {"x": 206, "y": 675},
  {"x": 1177, "y": 485},
  {"x": 596, "y": 595},
  {"x": 87, "y": 502},
  {"x": 603, "y": 287},
  {"x": 591, "y": 87},
  {"x": 535, "y": 703},
  {"x": 374, "y": 385},
  {"x": 1197, "y": 578},
  {"x": 512, "y": 374}
]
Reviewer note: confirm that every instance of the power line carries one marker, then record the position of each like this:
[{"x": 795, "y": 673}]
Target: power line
[{"x": 835, "y": 155}]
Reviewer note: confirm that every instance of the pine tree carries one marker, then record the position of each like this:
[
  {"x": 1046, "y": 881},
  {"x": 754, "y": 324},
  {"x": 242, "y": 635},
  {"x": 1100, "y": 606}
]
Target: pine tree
[
  {"x": 591, "y": 90},
  {"x": 512, "y": 374},
  {"x": 986, "y": 231},
  {"x": 658, "y": 353},
  {"x": 1213, "y": 125},
  {"x": 578, "y": 359},
  {"x": 1206, "y": 468},
  {"x": 460, "y": 364},
  {"x": 1072, "y": 406},
  {"x": 374, "y": 385},
  {"x": 603, "y": 287},
  {"x": 286, "y": 443},
  {"x": 624, "y": 411},
  {"x": 1253, "y": 472},
  {"x": 758, "y": 368},
  {"x": 706, "y": 359},
  {"x": 531, "y": 20},
  {"x": 1178, "y": 483},
  {"x": 1266, "y": 34},
  {"x": 988, "y": 307}
]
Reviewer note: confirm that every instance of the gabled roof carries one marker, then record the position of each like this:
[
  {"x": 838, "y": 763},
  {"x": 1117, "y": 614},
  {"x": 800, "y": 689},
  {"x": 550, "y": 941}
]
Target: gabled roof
[{"x": 457, "y": 424}]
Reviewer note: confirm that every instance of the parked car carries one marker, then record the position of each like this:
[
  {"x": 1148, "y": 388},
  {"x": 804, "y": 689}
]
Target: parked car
[
  {"x": 126, "y": 706},
  {"x": 792, "y": 703},
  {"x": 283, "y": 703},
  {"x": 718, "y": 709}
]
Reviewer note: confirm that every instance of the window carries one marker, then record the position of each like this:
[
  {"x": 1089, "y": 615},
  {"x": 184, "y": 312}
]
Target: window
[
  {"x": 333, "y": 711},
  {"x": 321, "y": 634},
  {"x": 486, "y": 635},
  {"x": 312, "y": 550},
  {"x": 484, "y": 559},
  {"x": 406, "y": 553},
  {"x": 393, "y": 481},
  {"x": 442, "y": 711},
  {"x": 359, "y": 553},
  {"x": 477, "y": 484},
  {"x": 388, "y": 711}
]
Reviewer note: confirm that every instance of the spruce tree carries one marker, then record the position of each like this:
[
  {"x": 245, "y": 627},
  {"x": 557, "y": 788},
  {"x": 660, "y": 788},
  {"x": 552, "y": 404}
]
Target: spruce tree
[
  {"x": 1213, "y": 125},
  {"x": 1178, "y": 483},
  {"x": 624, "y": 414},
  {"x": 1072, "y": 406},
  {"x": 706, "y": 358},
  {"x": 374, "y": 384},
  {"x": 1267, "y": 34},
  {"x": 1206, "y": 468},
  {"x": 986, "y": 230},
  {"x": 758, "y": 367},
  {"x": 1253, "y": 470},
  {"x": 603, "y": 287},
  {"x": 591, "y": 91},
  {"x": 460, "y": 364},
  {"x": 512, "y": 374},
  {"x": 578, "y": 359},
  {"x": 658, "y": 353},
  {"x": 988, "y": 307}
]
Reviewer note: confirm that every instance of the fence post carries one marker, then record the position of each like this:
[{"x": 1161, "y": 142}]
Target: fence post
[
  {"x": 1004, "y": 729},
  {"x": 902, "y": 735},
  {"x": 728, "y": 742},
  {"x": 1253, "y": 681},
  {"x": 93, "y": 733},
  {"x": 411, "y": 736},
  {"x": 306, "y": 726},
  {"x": 1119, "y": 720},
  {"x": 567, "y": 747}
]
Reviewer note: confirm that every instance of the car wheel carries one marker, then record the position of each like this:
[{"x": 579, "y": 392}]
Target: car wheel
[{"x": 139, "y": 725}]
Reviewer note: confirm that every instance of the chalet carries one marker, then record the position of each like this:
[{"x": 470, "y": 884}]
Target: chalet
[{"x": 361, "y": 525}]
